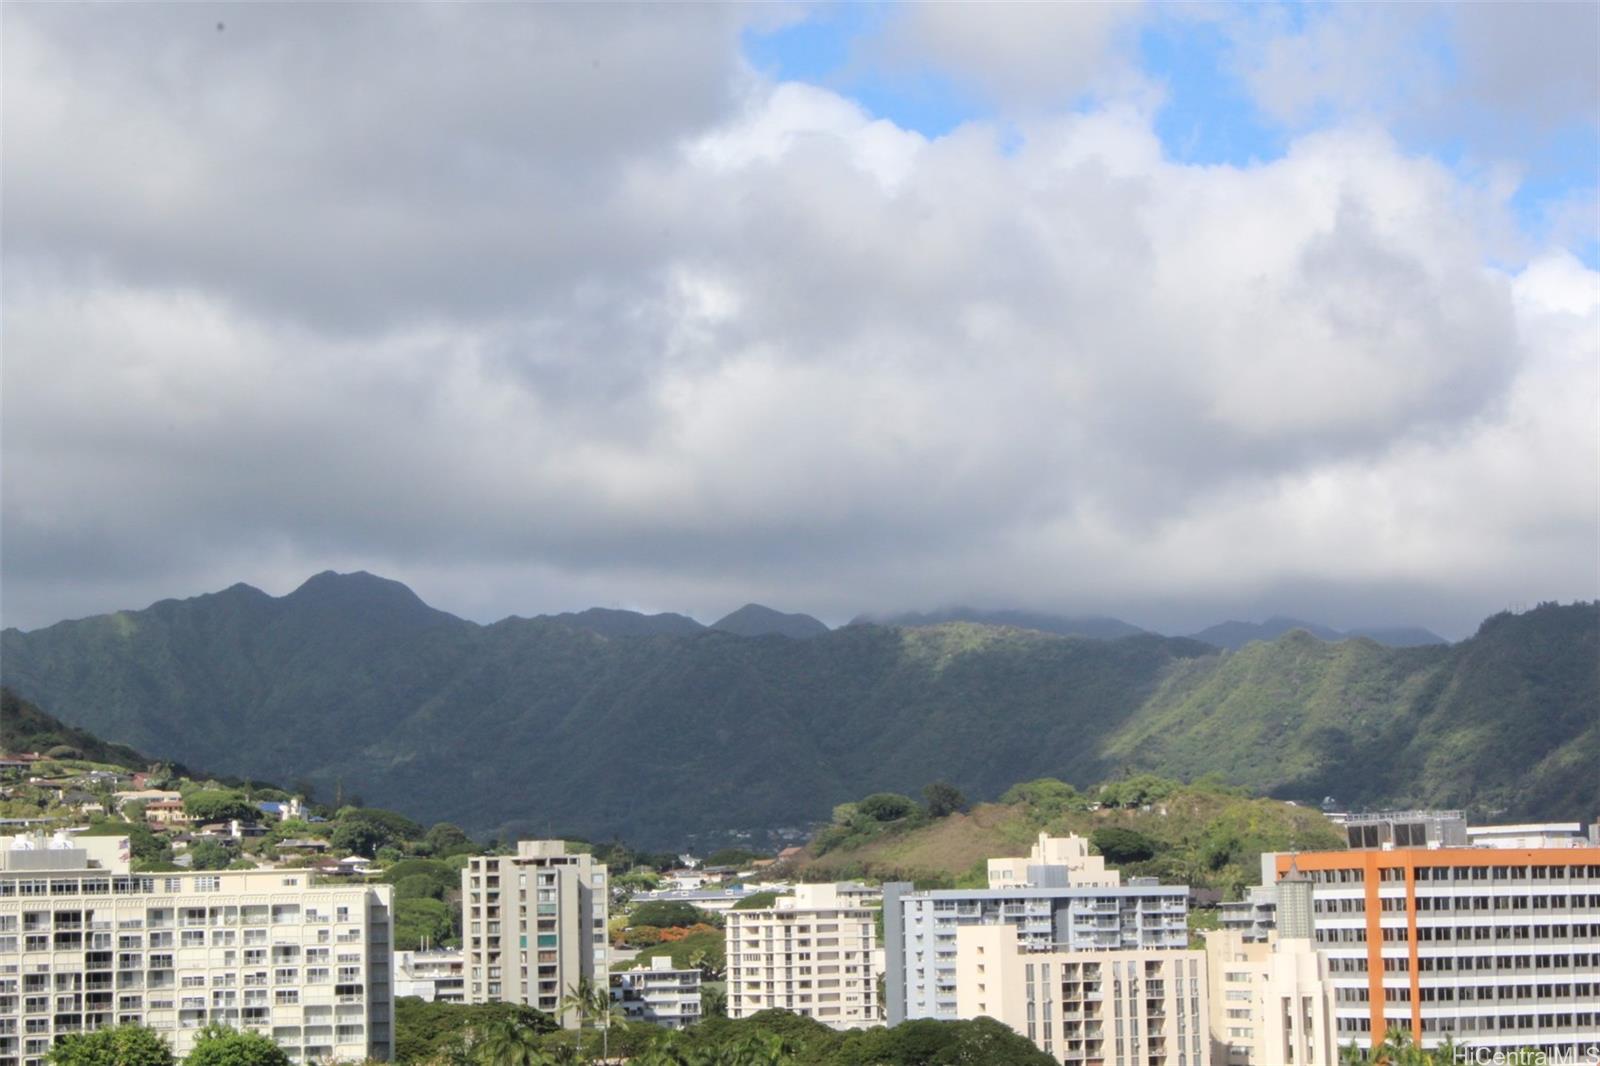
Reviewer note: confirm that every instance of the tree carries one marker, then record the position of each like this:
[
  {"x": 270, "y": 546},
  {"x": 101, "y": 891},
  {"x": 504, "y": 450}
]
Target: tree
[
  {"x": 446, "y": 1033},
  {"x": 943, "y": 799},
  {"x": 446, "y": 839},
  {"x": 358, "y": 836},
  {"x": 219, "y": 1045},
  {"x": 756, "y": 901},
  {"x": 208, "y": 855},
  {"x": 1123, "y": 845},
  {"x": 887, "y": 806},
  {"x": 421, "y": 921},
  {"x": 664, "y": 914},
  {"x": 713, "y": 1002},
  {"x": 218, "y": 805},
  {"x": 592, "y": 1002},
  {"x": 509, "y": 1041},
  {"x": 124, "y": 1045},
  {"x": 711, "y": 968}
]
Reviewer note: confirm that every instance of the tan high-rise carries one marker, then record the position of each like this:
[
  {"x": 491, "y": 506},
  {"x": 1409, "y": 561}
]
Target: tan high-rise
[
  {"x": 1138, "y": 1007},
  {"x": 810, "y": 953},
  {"x": 1271, "y": 1002},
  {"x": 534, "y": 925}
]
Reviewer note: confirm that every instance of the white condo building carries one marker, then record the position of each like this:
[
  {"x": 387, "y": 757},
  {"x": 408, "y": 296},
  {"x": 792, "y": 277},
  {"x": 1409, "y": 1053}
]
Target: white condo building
[
  {"x": 658, "y": 993},
  {"x": 85, "y": 944},
  {"x": 1060, "y": 898},
  {"x": 810, "y": 953}
]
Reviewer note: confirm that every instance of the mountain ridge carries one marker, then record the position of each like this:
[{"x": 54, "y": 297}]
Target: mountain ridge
[
  {"x": 525, "y": 722},
  {"x": 1234, "y": 635}
]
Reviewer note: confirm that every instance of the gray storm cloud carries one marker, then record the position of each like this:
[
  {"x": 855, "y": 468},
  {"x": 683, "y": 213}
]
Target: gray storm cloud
[{"x": 543, "y": 306}]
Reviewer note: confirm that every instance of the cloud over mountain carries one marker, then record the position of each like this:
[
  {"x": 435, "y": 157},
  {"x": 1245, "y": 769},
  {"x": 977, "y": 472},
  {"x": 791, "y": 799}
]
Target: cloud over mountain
[{"x": 540, "y": 307}]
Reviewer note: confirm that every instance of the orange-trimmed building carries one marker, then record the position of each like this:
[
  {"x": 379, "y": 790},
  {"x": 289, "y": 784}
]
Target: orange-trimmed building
[{"x": 1494, "y": 947}]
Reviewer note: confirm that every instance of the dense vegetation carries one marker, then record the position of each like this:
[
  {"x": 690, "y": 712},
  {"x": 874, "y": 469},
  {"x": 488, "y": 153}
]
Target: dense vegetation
[
  {"x": 1206, "y": 835},
  {"x": 25, "y": 728},
  {"x": 542, "y": 727},
  {"x": 133, "y": 1045},
  {"x": 444, "y": 1035}
]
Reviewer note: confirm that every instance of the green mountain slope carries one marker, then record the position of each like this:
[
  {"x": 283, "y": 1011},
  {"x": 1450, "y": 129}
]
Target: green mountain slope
[
  {"x": 1508, "y": 721},
  {"x": 1204, "y": 835},
  {"x": 25, "y": 728},
  {"x": 540, "y": 726}
]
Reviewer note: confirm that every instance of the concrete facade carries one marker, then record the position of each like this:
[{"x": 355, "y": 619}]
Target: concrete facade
[
  {"x": 1050, "y": 910},
  {"x": 534, "y": 925},
  {"x": 1496, "y": 947},
  {"x": 810, "y": 953},
  {"x": 438, "y": 976},
  {"x": 659, "y": 994},
  {"x": 86, "y": 944},
  {"x": 1087, "y": 1008},
  {"x": 1271, "y": 1002}
]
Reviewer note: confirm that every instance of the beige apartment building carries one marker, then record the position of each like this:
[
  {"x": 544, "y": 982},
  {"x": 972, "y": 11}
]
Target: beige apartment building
[
  {"x": 85, "y": 944},
  {"x": 810, "y": 953},
  {"x": 1054, "y": 861},
  {"x": 1272, "y": 1001},
  {"x": 534, "y": 925},
  {"x": 1087, "y": 1007}
]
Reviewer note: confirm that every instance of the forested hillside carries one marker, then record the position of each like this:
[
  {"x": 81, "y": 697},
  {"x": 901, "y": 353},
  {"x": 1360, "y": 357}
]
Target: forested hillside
[{"x": 543, "y": 725}]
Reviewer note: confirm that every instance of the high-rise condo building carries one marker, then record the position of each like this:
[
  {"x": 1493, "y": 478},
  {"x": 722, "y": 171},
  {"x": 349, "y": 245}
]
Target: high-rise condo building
[
  {"x": 1087, "y": 1007},
  {"x": 1271, "y": 999},
  {"x": 85, "y": 943},
  {"x": 810, "y": 953},
  {"x": 1059, "y": 899},
  {"x": 534, "y": 925}
]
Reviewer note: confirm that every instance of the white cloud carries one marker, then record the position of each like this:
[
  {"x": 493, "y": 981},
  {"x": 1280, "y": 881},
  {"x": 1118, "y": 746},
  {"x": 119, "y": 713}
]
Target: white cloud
[
  {"x": 1023, "y": 55},
  {"x": 680, "y": 339}
]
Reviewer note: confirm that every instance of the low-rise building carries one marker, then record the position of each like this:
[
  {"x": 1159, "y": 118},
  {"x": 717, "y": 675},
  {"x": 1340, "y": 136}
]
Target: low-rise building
[
  {"x": 1536, "y": 835},
  {"x": 810, "y": 953},
  {"x": 166, "y": 812},
  {"x": 146, "y": 795},
  {"x": 707, "y": 899},
  {"x": 658, "y": 993},
  {"x": 437, "y": 975}
]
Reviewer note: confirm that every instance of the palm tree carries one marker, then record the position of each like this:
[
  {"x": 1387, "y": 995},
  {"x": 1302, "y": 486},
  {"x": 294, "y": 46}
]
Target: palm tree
[
  {"x": 508, "y": 1042},
  {"x": 1399, "y": 1049},
  {"x": 591, "y": 1002}
]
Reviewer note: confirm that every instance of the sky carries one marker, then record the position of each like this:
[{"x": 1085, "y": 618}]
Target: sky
[{"x": 1171, "y": 312}]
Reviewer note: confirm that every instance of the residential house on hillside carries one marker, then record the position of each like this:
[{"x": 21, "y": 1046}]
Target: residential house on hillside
[
  {"x": 146, "y": 795},
  {"x": 285, "y": 811},
  {"x": 302, "y": 846},
  {"x": 166, "y": 812}
]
